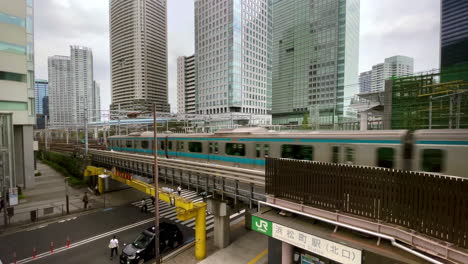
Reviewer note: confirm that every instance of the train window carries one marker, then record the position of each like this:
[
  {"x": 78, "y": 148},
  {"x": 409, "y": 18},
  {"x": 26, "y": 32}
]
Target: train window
[
  {"x": 257, "y": 150},
  {"x": 266, "y": 150},
  {"x": 216, "y": 147},
  {"x": 163, "y": 144},
  {"x": 432, "y": 160},
  {"x": 298, "y": 152},
  {"x": 335, "y": 154},
  {"x": 129, "y": 144},
  {"x": 349, "y": 155},
  {"x": 195, "y": 147},
  {"x": 385, "y": 157},
  {"x": 235, "y": 149},
  {"x": 169, "y": 145},
  {"x": 144, "y": 144}
]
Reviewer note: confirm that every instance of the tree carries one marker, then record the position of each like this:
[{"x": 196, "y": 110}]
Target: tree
[{"x": 305, "y": 121}]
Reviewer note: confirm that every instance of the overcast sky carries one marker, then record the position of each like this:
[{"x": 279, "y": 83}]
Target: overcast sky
[{"x": 388, "y": 27}]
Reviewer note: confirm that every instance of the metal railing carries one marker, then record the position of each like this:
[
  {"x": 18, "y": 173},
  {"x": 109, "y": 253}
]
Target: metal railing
[{"x": 430, "y": 204}]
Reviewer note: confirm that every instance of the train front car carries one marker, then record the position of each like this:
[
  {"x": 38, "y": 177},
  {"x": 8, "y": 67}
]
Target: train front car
[{"x": 441, "y": 151}]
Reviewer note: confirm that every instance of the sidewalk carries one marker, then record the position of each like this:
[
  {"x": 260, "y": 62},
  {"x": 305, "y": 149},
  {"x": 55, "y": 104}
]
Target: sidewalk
[
  {"x": 48, "y": 200},
  {"x": 246, "y": 247}
]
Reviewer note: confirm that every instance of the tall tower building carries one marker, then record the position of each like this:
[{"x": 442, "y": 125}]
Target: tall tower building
[
  {"x": 233, "y": 66},
  {"x": 453, "y": 33},
  {"x": 392, "y": 67},
  {"x": 315, "y": 59},
  {"x": 96, "y": 113},
  {"x": 41, "y": 91},
  {"x": 62, "y": 103},
  {"x": 365, "y": 82},
  {"x": 17, "y": 110},
  {"x": 81, "y": 66},
  {"x": 138, "y": 44},
  {"x": 186, "y": 85}
]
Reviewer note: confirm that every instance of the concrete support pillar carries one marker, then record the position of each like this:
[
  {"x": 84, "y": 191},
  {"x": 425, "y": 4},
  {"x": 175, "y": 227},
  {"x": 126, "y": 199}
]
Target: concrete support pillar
[
  {"x": 221, "y": 222},
  {"x": 363, "y": 125},
  {"x": 287, "y": 252},
  {"x": 67, "y": 135},
  {"x": 96, "y": 133}
]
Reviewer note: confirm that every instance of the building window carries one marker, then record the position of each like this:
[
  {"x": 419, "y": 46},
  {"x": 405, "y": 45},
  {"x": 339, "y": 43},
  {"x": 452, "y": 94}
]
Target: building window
[
  {"x": 235, "y": 149},
  {"x": 298, "y": 152},
  {"x": 12, "y": 48},
  {"x": 195, "y": 147},
  {"x": 432, "y": 160},
  {"x": 9, "y": 19},
  {"x": 385, "y": 157},
  {"x": 11, "y": 76}
]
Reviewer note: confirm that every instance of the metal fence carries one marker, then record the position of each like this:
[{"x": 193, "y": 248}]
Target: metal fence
[{"x": 434, "y": 205}]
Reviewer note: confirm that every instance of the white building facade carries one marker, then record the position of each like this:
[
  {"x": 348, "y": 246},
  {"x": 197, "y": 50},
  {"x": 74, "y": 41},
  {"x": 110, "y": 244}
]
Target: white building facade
[
  {"x": 365, "y": 82},
  {"x": 233, "y": 64},
  {"x": 392, "y": 67},
  {"x": 17, "y": 103},
  {"x": 186, "y": 85},
  {"x": 81, "y": 66},
  {"x": 96, "y": 112},
  {"x": 62, "y": 107}
]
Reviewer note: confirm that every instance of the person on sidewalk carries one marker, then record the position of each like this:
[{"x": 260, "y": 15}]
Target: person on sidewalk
[
  {"x": 96, "y": 190},
  {"x": 113, "y": 245},
  {"x": 152, "y": 200},
  {"x": 144, "y": 207},
  {"x": 179, "y": 190},
  {"x": 85, "y": 200}
]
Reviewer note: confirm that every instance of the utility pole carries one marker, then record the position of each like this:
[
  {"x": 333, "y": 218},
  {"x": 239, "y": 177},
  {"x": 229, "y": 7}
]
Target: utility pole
[
  {"x": 66, "y": 196},
  {"x": 86, "y": 126},
  {"x": 45, "y": 132},
  {"x": 156, "y": 187}
]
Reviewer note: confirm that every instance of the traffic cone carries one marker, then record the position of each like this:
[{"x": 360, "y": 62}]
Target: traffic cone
[
  {"x": 34, "y": 253},
  {"x": 51, "y": 247},
  {"x": 68, "y": 242},
  {"x": 14, "y": 257}
]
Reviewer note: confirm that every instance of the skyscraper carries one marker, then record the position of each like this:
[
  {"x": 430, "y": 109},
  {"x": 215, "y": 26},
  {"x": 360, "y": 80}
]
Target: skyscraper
[
  {"x": 71, "y": 87},
  {"x": 315, "y": 59},
  {"x": 81, "y": 66},
  {"x": 454, "y": 33},
  {"x": 186, "y": 85},
  {"x": 96, "y": 113},
  {"x": 62, "y": 107},
  {"x": 17, "y": 110},
  {"x": 365, "y": 82},
  {"x": 233, "y": 67},
  {"x": 42, "y": 90},
  {"x": 138, "y": 44},
  {"x": 392, "y": 67}
]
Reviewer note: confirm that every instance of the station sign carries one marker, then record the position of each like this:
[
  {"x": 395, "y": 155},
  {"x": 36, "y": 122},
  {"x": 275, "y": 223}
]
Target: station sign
[
  {"x": 13, "y": 196},
  {"x": 317, "y": 245}
]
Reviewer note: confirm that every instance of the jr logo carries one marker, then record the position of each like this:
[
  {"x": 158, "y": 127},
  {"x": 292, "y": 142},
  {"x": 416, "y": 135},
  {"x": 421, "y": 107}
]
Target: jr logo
[{"x": 261, "y": 225}]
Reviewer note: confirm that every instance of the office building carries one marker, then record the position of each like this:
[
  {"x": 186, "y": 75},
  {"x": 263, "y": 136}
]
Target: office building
[
  {"x": 365, "y": 82},
  {"x": 41, "y": 91},
  {"x": 81, "y": 67},
  {"x": 96, "y": 107},
  {"x": 315, "y": 60},
  {"x": 17, "y": 110},
  {"x": 62, "y": 107},
  {"x": 454, "y": 33},
  {"x": 186, "y": 85},
  {"x": 392, "y": 67},
  {"x": 233, "y": 66},
  {"x": 138, "y": 45}
]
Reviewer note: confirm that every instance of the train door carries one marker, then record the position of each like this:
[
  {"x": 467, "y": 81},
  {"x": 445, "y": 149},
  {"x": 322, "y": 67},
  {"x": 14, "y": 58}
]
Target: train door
[
  {"x": 349, "y": 154},
  {"x": 336, "y": 154},
  {"x": 213, "y": 151}
]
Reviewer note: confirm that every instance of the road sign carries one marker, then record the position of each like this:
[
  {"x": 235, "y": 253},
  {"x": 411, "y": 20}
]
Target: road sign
[{"x": 13, "y": 195}]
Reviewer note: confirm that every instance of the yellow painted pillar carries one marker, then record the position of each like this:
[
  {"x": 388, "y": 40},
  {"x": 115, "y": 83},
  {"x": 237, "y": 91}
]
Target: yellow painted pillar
[
  {"x": 100, "y": 184},
  {"x": 200, "y": 233}
]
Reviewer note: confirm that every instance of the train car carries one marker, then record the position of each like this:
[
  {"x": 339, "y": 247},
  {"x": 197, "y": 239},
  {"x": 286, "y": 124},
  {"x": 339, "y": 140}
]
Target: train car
[
  {"x": 441, "y": 151},
  {"x": 248, "y": 147}
]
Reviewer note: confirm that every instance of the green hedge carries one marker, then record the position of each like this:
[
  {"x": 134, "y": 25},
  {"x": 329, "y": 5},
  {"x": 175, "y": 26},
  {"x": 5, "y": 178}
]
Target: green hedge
[{"x": 67, "y": 166}]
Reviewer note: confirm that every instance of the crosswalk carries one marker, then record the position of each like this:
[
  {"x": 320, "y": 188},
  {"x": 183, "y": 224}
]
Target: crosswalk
[{"x": 168, "y": 211}]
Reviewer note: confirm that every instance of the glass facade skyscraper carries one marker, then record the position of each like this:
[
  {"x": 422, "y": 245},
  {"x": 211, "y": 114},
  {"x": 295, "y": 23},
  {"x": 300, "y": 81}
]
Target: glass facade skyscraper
[
  {"x": 233, "y": 65},
  {"x": 315, "y": 59},
  {"x": 42, "y": 90},
  {"x": 454, "y": 33}
]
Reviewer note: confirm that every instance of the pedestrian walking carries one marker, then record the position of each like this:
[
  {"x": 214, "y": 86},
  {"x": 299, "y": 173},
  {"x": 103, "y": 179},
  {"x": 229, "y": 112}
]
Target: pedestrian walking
[
  {"x": 2, "y": 204},
  {"x": 85, "y": 200},
  {"x": 179, "y": 190},
  {"x": 144, "y": 207},
  {"x": 96, "y": 190},
  {"x": 152, "y": 200},
  {"x": 113, "y": 246}
]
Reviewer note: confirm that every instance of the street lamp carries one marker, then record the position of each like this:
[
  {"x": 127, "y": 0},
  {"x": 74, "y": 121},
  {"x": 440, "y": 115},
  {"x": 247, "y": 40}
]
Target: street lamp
[
  {"x": 66, "y": 195},
  {"x": 156, "y": 187}
]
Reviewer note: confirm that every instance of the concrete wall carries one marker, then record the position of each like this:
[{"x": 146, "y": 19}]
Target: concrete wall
[
  {"x": 274, "y": 251},
  {"x": 24, "y": 156}
]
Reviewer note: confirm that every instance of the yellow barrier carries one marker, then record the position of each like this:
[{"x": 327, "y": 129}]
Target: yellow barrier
[{"x": 185, "y": 209}]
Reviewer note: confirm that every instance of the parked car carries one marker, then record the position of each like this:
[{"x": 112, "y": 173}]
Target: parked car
[{"x": 142, "y": 248}]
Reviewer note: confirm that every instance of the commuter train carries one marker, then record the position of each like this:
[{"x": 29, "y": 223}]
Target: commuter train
[{"x": 439, "y": 151}]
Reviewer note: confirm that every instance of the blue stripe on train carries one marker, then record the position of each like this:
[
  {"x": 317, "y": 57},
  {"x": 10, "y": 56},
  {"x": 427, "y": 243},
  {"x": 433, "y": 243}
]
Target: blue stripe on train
[
  {"x": 260, "y": 162},
  {"x": 441, "y": 142}
]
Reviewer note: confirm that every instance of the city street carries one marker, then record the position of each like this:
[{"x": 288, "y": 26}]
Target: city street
[{"x": 89, "y": 237}]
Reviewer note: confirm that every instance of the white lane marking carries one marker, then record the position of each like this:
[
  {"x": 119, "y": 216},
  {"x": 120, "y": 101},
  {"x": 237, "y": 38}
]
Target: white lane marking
[{"x": 85, "y": 241}]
